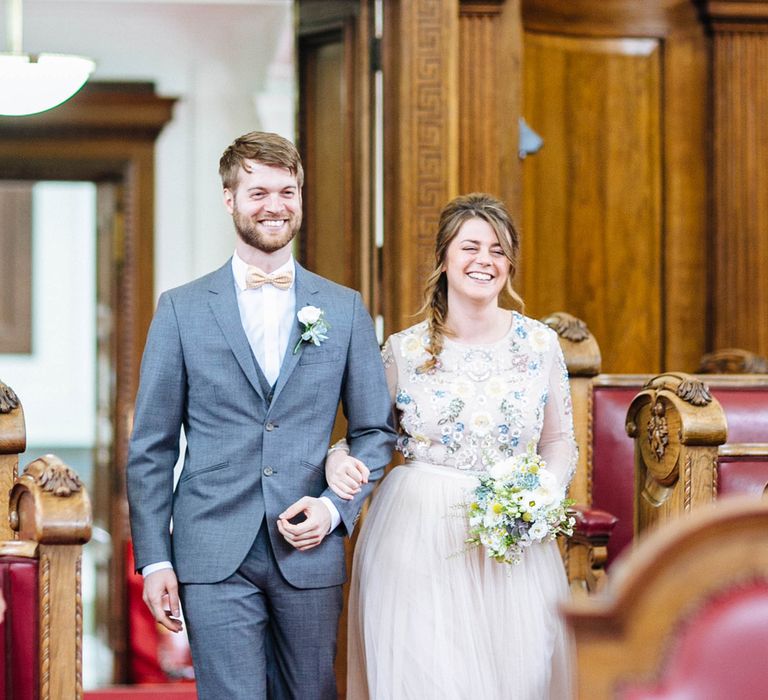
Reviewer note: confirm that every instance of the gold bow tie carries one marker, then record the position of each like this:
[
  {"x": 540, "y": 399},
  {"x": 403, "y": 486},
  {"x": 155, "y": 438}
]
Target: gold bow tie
[{"x": 256, "y": 278}]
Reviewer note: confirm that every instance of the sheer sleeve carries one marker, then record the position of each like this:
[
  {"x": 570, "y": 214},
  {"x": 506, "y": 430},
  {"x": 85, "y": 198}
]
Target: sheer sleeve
[
  {"x": 557, "y": 444},
  {"x": 390, "y": 369}
]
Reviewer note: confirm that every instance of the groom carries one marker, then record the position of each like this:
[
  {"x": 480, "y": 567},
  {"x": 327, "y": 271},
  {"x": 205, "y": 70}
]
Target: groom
[{"x": 252, "y": 361}]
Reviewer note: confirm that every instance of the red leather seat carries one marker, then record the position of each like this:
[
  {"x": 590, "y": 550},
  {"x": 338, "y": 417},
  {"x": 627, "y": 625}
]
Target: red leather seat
[
  {"x": 720, "y": 652},
  {"x": 18, "y": 631}
]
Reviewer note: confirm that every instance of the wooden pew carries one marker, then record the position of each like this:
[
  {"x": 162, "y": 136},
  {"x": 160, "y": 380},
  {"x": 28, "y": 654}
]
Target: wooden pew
[
  {"x": 605, "y": 476},
  {"x": 684, "y": 614},
  {"x": 45, "y": 522}
]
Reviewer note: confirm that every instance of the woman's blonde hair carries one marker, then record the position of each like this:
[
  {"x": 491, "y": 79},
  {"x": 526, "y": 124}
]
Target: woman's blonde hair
[{"x": 477, "y": 205}]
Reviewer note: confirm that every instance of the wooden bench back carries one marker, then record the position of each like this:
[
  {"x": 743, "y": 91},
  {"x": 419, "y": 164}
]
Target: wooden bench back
[
  {"x": 684, "y": 615},
  {"x": 46, "y": 519}
]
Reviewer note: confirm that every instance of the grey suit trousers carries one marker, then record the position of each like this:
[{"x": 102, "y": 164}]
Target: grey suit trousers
[{"x": 249, "y": 633}]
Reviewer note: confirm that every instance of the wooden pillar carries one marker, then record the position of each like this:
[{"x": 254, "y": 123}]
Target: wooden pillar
[
  {"x": 421, "y": 163},
  {"x": 739, "y": 289}
]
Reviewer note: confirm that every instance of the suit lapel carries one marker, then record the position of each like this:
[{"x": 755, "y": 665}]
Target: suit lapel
[
  {"x": 305, "y": 295},
  {"x": 223, "y": 302}
]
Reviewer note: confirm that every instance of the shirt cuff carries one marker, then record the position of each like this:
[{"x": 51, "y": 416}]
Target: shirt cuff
[
  {"x": 157, "y": 566},
  {"x": 335, "y": 517}
]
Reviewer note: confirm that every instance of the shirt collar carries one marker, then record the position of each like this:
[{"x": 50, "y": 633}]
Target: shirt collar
[{"x": 240, "y": 270}]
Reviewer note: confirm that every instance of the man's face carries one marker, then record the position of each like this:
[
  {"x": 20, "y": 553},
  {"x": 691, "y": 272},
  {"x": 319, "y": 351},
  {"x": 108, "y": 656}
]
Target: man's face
[{"x": 265, "y": 206}]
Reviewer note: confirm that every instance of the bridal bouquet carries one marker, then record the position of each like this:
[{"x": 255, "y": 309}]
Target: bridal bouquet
[{"x": 518, "y": 502}]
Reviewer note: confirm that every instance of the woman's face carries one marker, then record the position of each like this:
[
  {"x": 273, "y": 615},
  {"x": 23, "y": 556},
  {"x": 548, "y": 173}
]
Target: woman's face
[{"x": 475, "y": 265}]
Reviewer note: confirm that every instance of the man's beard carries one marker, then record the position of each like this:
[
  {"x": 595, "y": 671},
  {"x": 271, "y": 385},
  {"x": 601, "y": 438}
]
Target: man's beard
[{"x": 249, "y": 232}]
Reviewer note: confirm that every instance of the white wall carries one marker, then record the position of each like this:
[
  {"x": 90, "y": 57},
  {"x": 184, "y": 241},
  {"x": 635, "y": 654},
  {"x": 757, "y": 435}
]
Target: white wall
[
  {"x": 56, "y": 381},
  {"x": 231, "y": 66}
]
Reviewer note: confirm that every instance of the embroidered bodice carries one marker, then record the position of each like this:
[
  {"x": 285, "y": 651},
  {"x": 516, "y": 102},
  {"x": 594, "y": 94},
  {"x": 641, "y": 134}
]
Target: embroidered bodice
[{"x": 483, "y": 402}]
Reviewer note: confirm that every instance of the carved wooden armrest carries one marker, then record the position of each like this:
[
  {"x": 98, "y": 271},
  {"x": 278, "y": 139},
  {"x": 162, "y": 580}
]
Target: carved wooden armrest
[
  {"x": 586, "y": 550},
  {"x": 50, "y": 511}
]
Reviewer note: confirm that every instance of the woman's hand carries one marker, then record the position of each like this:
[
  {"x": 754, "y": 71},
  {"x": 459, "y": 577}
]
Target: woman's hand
[{"x": 345, "y": 474}]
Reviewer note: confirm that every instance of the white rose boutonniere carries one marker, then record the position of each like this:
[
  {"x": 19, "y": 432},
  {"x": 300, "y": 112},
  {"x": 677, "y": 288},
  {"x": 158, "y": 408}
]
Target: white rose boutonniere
[{"x": 315, "y": 326}]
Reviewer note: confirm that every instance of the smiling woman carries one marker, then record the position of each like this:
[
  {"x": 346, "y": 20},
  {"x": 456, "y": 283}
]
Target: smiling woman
[{"x": 472, "y": 386}]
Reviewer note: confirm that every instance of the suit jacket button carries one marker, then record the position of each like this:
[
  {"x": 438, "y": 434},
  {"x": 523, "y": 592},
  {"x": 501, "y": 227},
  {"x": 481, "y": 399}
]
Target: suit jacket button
[
  {"x": 269, "y": 426},
  {"x": 268, "y": 471}
]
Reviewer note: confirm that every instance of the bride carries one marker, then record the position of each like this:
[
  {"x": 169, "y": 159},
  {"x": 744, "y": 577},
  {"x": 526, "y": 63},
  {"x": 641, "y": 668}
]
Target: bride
[{"x": 473, "y": 383}]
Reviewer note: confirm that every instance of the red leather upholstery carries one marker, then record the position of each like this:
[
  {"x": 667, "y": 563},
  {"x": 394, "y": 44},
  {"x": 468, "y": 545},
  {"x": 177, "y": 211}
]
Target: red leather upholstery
[
  {"x": 593, "y": 524},
  {"x": 720, "y": 653},
  {"x": 735, "y": 476},
  {"x": 613, "y": 462},
  {"x": 18, "y": 577},
  {"x": 746, "y": 411}
]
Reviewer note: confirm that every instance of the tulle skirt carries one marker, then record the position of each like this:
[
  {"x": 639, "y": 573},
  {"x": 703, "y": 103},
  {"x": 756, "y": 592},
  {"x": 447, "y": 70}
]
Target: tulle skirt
[{"x": 429, "y": 618}]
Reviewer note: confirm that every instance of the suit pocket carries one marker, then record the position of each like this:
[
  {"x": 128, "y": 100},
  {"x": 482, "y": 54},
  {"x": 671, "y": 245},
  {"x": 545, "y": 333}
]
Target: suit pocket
[
  {"x": 186, "y": 476},
  {"x": 314, "y": 468},
  {"x": 312, "y": 355}
]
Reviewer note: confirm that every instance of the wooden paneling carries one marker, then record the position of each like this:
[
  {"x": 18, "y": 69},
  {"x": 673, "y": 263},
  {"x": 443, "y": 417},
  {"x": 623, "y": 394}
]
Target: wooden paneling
[
  {"x": 489, "y": 97},
  {"x": 421, "y": 128},
  {"x": 592, "y": 227},
  {"x": 739, "y": 283},
  {"x": 328, "y": 238},
  {"x": 15, "y": 267},
  {"x": 611, "y": 18}
]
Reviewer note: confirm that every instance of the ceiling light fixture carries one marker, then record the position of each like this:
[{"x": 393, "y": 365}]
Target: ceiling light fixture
[{"x": 32, "y": 84}]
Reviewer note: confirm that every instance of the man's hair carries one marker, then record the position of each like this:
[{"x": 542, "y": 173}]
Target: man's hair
[{"x": 262, "y": 147}]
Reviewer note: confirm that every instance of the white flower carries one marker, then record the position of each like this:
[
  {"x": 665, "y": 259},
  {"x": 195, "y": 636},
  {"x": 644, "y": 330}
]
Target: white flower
[
  {"x": 462, "y": 388},
  {"x": 309, "y": 315},
  {"x": 480, "y": 422},
  {"x": 411, "y": 347},
  {"x": 539, "y": 339},
  {"x": 549, "y": 490},
  {"x": 495, "y": 387},
  {"x": 315, "y": 326},
  {"x": 538, "y": 530},
  {"x": 503, "y": 469}
]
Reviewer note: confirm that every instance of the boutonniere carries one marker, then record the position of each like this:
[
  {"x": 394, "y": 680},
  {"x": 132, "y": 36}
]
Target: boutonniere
[{"x": 315, "y": 326}]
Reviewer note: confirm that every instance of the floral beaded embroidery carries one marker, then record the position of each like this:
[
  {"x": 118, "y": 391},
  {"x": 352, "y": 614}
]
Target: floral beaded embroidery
[{"x": 478, "y": 397}]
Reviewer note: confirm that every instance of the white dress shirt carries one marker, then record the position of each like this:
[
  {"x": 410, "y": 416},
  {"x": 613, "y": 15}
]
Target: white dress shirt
[{"x": 268, "y": 315}]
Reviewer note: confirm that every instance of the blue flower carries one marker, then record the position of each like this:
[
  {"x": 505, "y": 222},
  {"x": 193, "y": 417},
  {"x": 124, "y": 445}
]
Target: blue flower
[{"x": 503, "y": 428}]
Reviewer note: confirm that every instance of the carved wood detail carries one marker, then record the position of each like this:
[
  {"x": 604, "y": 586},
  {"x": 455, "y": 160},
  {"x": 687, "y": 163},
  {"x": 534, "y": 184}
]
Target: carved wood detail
[
  {"x": 733, "y": 361},
  {"x": 8, "y": 399},
  {"x": 658, "y": 430},
  {"x": 45, "y": 626},
  {"x": 567, "y": 326},
  {"x": 690, "y": 389},
  {"x": 53, "y": 476}
]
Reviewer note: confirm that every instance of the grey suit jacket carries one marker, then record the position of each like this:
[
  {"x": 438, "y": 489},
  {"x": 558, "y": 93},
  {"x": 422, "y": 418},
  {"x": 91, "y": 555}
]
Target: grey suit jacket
[{"x": 247, "y": 457}]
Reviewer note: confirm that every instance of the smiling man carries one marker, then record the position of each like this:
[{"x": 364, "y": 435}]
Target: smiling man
[{"x": 256, "y": 555}]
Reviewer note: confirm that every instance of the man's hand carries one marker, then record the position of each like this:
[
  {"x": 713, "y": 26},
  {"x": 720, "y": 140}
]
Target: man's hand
[
  {"x": 345, "y": 474},
  {"x": 310, "y": 532},
  {"x": 161, "y": 594}
]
